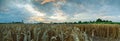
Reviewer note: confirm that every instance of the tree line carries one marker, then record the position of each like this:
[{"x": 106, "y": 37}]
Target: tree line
[
  {"x": 88, "y": 22},
  {"x": 97, "y": 21}
]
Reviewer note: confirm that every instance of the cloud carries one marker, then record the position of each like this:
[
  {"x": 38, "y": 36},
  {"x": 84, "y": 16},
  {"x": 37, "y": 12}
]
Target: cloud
[
  {"x": 59, "y": 16},
  {"x": 75, "y": 10},
  {"x": 118, "y": 16},
  {"x": 46, "y": 1},
  {"x": 92, "y": 17},
  {"x": 113, "y": 18},
  {"x": 36, "y": 16},
  {"x": 60, "y": 10},
  {"x": 35, "y": 19},
  {"x": 83, "y": 17},
  {"x": 4, "y": 9},
  {"x": 107, "y": 17},
  {"x": 33, "y": 11}
]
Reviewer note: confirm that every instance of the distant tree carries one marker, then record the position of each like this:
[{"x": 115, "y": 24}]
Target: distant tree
[
  {"x": 17, "y": 22},
  {"x": 75, "y": 22},
  {"x": 65, "y": 22},
  {"x": 79, "y": 22},
  {"x": 70, "y": 22},
  {"x": 85, "y": 22},
  {"x": 99, "y": 20},
  {"x": 92, "y": 22},
  {"x": 110, "y": 21},
  {"x": 104, "y": 21}
]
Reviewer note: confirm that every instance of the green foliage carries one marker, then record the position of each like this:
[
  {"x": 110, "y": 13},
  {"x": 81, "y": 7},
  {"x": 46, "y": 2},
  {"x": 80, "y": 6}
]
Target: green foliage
[
  {"x": 79, "y": 22},
  {"x": 99, "y": 20}
]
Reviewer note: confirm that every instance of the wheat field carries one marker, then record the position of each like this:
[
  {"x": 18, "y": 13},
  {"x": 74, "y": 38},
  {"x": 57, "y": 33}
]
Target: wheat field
[{"x": 59, "y": 32}]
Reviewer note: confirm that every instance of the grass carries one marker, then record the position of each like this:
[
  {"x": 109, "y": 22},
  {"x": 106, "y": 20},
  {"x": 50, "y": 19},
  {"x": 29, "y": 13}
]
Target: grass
[{"x": 59, "y": 32}]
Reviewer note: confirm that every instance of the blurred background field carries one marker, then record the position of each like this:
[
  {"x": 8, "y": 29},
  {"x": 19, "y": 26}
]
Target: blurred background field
[{"x": 59, "y": 32}]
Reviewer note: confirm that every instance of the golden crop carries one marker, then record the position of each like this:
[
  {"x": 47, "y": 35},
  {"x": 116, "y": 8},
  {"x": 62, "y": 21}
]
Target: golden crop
[{"x": 59, "y": 32}]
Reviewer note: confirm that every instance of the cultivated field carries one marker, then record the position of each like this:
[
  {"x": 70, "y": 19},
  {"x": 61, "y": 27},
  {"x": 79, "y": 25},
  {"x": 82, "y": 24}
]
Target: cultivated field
[{"x": 59, "y": 32}]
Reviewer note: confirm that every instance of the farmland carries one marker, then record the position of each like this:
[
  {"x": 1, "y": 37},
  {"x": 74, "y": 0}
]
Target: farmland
[{"x": 59, "y": 32}]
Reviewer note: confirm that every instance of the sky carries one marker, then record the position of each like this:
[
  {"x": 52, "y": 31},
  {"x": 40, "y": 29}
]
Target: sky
[{"x": 33, "y": 11}]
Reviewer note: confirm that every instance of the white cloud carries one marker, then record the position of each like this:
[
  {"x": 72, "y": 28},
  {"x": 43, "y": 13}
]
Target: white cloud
[
  {"x": 36, "y": 16},
  {"x": 91, "y": 17},
  {"x": 118, "y": 16},
  {"x": 83, "y": 17},
  {"x": 108, "y": 17},
  {"x": 59, "y": 16},
  {"x": 46, "y": 1},
  {"x": 33, "y": 11},
  {"x": 113, "y": 18},
  {"x": 35, "y": 19},
  {"x": 30, "y": 8}
]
